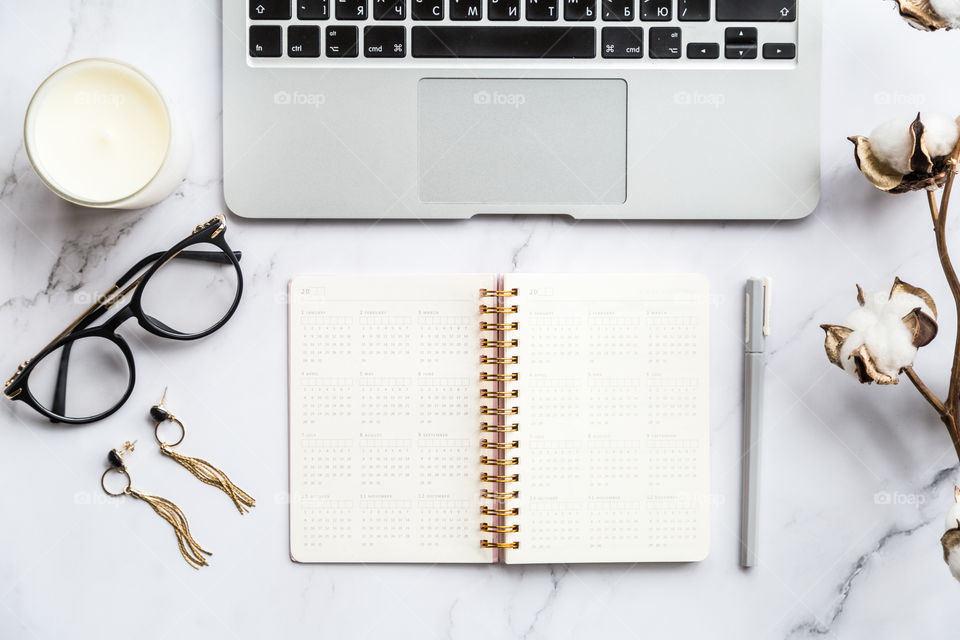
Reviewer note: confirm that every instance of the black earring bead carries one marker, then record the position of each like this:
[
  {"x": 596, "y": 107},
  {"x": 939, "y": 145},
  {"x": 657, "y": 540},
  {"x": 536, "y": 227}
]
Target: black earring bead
[
  {"x": 115, "y": 459},
  {"x": 159, "y": 414}
]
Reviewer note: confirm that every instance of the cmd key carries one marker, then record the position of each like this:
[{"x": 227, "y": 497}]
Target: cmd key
[{"x": 756, "y": 10}]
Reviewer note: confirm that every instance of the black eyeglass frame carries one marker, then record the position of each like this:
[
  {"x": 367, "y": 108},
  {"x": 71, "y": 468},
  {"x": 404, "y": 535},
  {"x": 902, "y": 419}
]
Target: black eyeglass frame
[{"x": 211, "y": 232}]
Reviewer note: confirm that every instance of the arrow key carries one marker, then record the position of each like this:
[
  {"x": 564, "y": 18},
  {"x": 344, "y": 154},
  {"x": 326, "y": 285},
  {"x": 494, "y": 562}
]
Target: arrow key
[
  {"x": 270, "y": 10},
  {"x": 779, "y": 51},
  {"x": 703, "y": 51},
  {"x": 741, "y": 43}
]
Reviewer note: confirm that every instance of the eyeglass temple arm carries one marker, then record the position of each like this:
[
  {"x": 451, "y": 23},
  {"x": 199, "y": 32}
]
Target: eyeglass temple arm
[{"x": 60, "y": 391}]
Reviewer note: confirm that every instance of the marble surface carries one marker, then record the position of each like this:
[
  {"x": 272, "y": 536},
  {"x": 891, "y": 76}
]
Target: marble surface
[{"x": 855, "y": 480}]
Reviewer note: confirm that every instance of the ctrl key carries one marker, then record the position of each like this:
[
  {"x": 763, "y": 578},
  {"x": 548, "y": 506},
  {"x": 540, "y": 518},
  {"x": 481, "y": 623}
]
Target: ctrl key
[
  {"x": 621, "y": 42},
  {"x": 342, "y": 42}
]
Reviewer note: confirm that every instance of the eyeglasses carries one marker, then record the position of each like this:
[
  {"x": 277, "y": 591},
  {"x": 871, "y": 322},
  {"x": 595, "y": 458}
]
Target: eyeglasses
[{"x": 87, "y": 372}]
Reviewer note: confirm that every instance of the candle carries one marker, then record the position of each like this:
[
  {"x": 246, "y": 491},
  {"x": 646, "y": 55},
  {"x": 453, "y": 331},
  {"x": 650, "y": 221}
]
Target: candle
[{"x": 99, "y": 134}]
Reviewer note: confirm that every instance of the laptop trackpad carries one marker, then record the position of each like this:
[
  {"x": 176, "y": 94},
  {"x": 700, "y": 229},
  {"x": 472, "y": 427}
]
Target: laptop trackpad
[{"x": 523, "y": 141}]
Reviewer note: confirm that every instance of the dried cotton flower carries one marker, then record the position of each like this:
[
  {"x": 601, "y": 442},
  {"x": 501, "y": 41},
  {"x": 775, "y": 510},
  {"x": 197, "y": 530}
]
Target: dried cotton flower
[
  {"x": 902, "y": 156},
  {"x": 931, "y": 15},
  {"x": 951, "y": 539},
  {"x": 881, "y": 337}
]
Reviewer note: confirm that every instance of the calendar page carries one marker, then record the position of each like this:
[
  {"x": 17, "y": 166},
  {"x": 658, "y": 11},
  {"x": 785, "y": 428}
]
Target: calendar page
[
  {"x": 384, "y": 418},
  {"x": 613, "y": 418}
]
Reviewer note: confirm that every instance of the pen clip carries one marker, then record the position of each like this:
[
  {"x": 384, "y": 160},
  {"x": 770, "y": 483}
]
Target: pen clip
[{"x": 767, "y": 294}]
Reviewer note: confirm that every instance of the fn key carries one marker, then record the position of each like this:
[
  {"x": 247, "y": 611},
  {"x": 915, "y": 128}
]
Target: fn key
[{"x": 384, "y": 42}]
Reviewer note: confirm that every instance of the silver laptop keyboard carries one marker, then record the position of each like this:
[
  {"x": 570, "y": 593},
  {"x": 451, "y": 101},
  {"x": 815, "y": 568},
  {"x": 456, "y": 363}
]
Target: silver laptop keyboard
[{"x": 745, "y": 32}]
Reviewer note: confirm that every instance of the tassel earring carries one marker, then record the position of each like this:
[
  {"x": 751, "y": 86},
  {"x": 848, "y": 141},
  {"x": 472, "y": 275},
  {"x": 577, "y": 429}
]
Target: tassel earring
[
  {"x": 201, "y": 469},
  {"x": 192, "y": 552}
]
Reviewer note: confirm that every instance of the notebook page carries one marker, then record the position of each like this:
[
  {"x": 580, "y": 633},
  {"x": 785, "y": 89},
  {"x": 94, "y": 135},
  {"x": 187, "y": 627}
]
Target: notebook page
[
  {"x": 614, "y": 431},
  {"x": 384, "y": 418}
]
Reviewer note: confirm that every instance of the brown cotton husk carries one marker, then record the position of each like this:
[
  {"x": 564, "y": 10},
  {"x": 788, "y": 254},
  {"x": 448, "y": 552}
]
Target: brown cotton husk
[
  {"x": 899, "y": 286},
  {"x": 879, "y": 174},
  {"x": 833, "y": 342},
  {"x": 920, "y": 14},
  {"x": 923, "y": 327},
  {"x": 866, "y": 368}
]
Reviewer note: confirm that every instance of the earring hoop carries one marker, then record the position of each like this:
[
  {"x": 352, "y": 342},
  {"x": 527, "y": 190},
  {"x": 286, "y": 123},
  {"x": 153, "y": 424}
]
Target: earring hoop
[
  {"x": 103, "y": 482},
  {"x": 156, "y": 432}
]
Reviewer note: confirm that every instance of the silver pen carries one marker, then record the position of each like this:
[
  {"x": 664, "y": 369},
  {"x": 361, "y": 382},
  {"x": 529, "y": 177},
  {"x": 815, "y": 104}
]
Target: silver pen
[{"x": 754, "y": 361}]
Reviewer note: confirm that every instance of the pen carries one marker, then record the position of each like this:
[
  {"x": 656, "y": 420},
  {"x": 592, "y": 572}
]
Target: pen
[{"x": 757, "y": 330}]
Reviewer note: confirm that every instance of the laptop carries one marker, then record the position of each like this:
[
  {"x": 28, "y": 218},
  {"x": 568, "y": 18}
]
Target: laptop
[{"x": 596, "y": 109}]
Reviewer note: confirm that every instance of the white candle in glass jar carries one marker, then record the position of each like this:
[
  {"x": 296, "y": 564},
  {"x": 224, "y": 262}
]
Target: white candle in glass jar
[{"x": 99, "y": 134}]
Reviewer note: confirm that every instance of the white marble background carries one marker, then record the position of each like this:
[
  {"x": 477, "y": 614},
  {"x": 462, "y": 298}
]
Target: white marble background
[{"x": 835, "y": 560}]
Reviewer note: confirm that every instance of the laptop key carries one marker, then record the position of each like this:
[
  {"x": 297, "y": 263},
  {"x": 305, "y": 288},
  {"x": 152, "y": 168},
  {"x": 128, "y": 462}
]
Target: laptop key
[
  {"x": 703, "y": 51},
  {"x": 266, "y": 42},
  {"x": 694, "y": 10},
  {"x": 621, "y": 42},
  {"x": 466, "y": 9},
  {"x": 342, "y": 42},
  {"x": 503, "y": 42},
  {"x": 779, "y": 51},
  {"x": 756, "y": 10},
  {"x": 303, "y": 41},
  {"x": 389, "y": 10},
  {"x": 313, "y": 9},
  {"x": 503, "y": 9},
  {"x": 351, "y": 9},
  {"x": 656, "y": 10},
  {"x": 665, "y": 42},
  {"x": 384, "y": 42},
  {"x": 538, "y": 10},
  {"x": 269, "y": 9},
  {"x": 427, "y": 9},
  {"x": 741, "y": 43},
  {"x": 617, "y": 10},
  {"x": 579, "y": 10}
]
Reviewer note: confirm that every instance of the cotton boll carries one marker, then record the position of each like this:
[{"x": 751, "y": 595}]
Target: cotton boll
[
  {"x": 878, "y": 324},
  {"x": 953, "y": 517},
  {"x": 949, "y": 10},
  {"x": 892, "y": 144},
  {"x": 940, "y": 131}
]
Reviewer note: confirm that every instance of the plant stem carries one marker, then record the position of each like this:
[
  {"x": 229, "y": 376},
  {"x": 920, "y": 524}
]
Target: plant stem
[
  {"x": 940, "y": 231},
  {"x": 948, "y": 410},
  {"x": 925, "y": 391}
]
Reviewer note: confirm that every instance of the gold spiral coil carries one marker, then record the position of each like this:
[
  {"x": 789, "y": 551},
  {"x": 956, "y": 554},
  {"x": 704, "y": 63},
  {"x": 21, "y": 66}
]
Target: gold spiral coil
[
  {"x": 497, "y": 411},
  {"x": 499, "y": 344},
  {"x": 496, "y": 325},
  {"x": 499, "y": 377},
  {"x": 499, "y": 395},
  {"x": 486, "y": 544},
  {"x": 499, "y": 495},
  {"x": 499, "y": 326},
  {"x": 499, "y": 428},
  {"x": 499, "y": 479},
  {"x": 486, "y": 444}
]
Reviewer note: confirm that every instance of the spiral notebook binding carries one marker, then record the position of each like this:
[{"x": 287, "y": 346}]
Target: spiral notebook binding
[{"x": 495, "y": 308}]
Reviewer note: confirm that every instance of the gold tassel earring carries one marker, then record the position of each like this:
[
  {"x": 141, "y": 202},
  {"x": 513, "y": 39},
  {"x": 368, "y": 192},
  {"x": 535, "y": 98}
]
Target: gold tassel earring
[
  {"x": 192, "y": 552},
  {"x": 201, "y": 469}
]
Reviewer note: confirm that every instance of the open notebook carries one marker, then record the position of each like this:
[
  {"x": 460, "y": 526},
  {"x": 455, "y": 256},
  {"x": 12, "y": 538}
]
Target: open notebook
[{"x": 480, "y": 418}]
